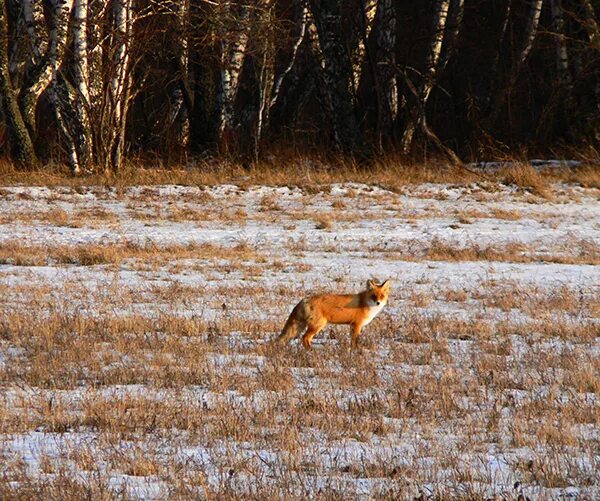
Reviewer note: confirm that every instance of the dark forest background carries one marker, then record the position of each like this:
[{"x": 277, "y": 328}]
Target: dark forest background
[{"x": 92, "y": 83}]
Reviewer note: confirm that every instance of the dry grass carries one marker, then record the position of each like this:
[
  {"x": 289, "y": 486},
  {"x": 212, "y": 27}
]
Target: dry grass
[
  {"x": 152, "y": 373},
  {"x": 172, "y": 384},
  {"x": 391, "y": 171},
  {"x": 587, "y": 252},
  {"x": 526, "y": 177},
  {"x": 19, "y": 254}
]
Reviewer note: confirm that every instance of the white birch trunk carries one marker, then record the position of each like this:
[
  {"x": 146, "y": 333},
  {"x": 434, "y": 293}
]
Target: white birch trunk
[
  {"x": 33, "y": 14},
  {"x": 121, "y": 27},
  {"x": 80, "y": 95},
  {"x": 96, "y": 13},
  {"x": 368, "y": 10},
  {"x": 180, "y": 96},
  {"x": 453, "y": 25},
  {"x": 119, "y": 87},
  {"x": 313, "y": 37},
  {"x": 562, "y": 56},
  {"x": 60, "y": 14},
  {"x": 304, "y": 19},
  {"x": 42, "y": 74},
  {"x": 20, "y": 138},
  {"x": 336, "y": 73},
  {"x": 233, "y": 54},
  {"x": 266, "y": 76},
  {"x": 30, "y": 41},
  {"x": 531, "y": 30},
  {"x": 385, "y": 72},
  {"x": 417, "y": 117},
  {"x": 80, "y": 49}
]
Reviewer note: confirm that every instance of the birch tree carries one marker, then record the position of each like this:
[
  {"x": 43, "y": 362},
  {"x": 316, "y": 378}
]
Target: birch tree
[
  {"x": 265, "y": 77},
  {"x": 528, "y": 37},
  {"x": 416, "y": 118},
  {"x": 119, "y": 86},
  {"x": 181, "y": 99},
  {"x": 19, "y": 134},
  {"x": 337, "y": 76},
  {"x": 304, "y": 22},
  {"x": 47, "y": 68},
  {"x": 233, "y": 33},
  {"x": 562, "y": 56},
  {"x": 386, "y": 84},
  {"x": 71, "y": 99},
  {"x": 365, "y": 20}
]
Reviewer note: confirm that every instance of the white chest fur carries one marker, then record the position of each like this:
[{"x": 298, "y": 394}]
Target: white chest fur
[{"x": 373, "y": 311}]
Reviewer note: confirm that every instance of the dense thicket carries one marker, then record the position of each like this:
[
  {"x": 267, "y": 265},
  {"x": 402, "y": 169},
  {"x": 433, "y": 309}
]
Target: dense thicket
[{"x": 91, "y": 82}]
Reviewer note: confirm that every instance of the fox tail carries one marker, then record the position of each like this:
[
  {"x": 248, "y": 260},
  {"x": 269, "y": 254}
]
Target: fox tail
[{"x": 295, "y": 324}]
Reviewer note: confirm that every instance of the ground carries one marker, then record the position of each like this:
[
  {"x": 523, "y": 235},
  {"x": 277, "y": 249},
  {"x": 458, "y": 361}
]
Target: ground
[{"x": 135, "y": 325}]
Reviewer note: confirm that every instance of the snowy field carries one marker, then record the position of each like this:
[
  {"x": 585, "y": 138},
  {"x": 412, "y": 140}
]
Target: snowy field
[{"x": 135, "y": 359}]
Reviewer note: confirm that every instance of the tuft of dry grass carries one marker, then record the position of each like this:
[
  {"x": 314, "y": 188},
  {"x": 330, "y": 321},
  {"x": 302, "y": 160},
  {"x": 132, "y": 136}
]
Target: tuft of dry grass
[
  {"x": 323, "y": 222},
  {"x": 525, "y": 176}
]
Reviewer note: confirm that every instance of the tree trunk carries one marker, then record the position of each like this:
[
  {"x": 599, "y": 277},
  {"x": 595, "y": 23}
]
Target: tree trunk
[
  {"x": 493, "y": 72},
  {"x": 417, "y": 114},
  {"x": 528, "y": 39},
  {"x": 79, "y": 97},
  {"x": 366, "y": 20},
  {"x": 386, "y": 84},
  {"x": 21, "y": 142},
  {"x": 233, "y": 43},
  {"x": 33, "y": 14},
  {"x": 181, "y": 101},
  {"x": 337, "y": 77},
  {"x": 304, "y": 20},
  {"x": 562, "y": 56},
  {"x": 120, "y": 84}
]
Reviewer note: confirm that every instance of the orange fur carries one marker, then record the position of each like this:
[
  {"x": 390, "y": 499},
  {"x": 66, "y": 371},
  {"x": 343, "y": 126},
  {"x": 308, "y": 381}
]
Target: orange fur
[{"x": 315, "y": 312}]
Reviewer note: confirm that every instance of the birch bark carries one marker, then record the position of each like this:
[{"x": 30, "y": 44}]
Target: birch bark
[
  {"x": 385, "y": 74},
  {"x": 42, "y": 74},
  {"x": 266, "y": 73},
  {"x": 233, "y": 45},
  {"x": 120, "y": 83},
  {"x": 79, "y": 94},
  {"x": 21, "y": 142},
  {"x": 337, "y": 76},
  {"x": 417, "y": 115},
  {"x": 60, "y": 11},
  {"x": 562, "y": 55},
  {"x": 531, "y": 30},
  {"x": 302, "y": 33},
  {"x": 179, "y": 116},
  {"x": 366, "y": 20}
]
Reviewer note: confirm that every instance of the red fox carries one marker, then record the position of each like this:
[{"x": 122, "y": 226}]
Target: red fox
[{"x": 315, "y": 312}]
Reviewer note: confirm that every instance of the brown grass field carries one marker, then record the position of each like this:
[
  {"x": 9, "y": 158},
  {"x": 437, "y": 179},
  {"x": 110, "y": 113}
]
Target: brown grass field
[{"x": 135, "y": 320}]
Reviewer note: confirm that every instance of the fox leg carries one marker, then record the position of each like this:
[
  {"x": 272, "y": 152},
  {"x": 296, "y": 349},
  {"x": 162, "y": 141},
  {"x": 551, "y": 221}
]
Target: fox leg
[
  {"x": 356, "y": 328},
  {"x": 313, "y": 330}
]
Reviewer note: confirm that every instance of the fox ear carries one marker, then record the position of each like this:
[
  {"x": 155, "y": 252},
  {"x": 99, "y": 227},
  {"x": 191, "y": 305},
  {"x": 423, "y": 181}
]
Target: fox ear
[
  {"x": 371, "y": 284},
  {"x": 386, "y": 285}
]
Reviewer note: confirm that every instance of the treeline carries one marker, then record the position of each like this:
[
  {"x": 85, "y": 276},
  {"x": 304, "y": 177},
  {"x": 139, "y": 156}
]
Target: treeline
[{"x": 91, "y": 82}]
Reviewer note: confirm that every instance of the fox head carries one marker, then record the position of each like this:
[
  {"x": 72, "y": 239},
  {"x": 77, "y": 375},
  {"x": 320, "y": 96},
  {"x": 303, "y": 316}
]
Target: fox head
[{"x": 378, "y": 294}]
